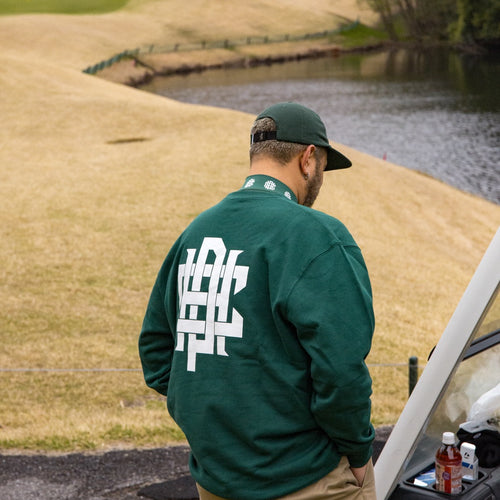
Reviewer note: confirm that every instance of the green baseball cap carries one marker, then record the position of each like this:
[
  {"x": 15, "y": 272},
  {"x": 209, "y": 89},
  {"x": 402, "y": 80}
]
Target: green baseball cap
[{"x": 296, "y": 123}]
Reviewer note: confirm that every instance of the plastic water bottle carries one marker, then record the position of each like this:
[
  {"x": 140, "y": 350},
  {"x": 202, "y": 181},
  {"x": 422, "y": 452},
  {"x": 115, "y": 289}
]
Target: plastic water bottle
[{"x": 449, "y": 466}]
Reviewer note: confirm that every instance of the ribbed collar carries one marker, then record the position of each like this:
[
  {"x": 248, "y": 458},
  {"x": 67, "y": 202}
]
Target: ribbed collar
[{"x": 270, "y": 184}]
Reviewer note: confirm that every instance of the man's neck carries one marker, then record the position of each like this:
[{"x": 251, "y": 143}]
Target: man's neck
[{"x": 284, "y": 173}]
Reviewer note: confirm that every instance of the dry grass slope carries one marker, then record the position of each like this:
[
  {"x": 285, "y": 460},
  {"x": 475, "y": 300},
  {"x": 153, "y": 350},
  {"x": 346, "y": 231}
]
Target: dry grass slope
[{"x": 97, "y": 180}]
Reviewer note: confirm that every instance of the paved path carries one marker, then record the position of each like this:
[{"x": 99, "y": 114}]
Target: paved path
[{"x": 157, "y": 474}]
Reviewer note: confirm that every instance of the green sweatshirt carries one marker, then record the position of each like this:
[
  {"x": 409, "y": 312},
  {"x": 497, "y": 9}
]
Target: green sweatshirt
[{"x": 256, "y": 331}]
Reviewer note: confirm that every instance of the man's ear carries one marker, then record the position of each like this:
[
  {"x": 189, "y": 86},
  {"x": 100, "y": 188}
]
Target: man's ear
[{"x": 306, "y": 161}]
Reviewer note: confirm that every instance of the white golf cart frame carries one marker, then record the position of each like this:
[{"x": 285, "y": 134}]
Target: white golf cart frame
[{"x": 449, "y": 352}]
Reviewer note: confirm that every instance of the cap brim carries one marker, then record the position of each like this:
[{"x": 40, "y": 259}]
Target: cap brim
[{"x": 336, "y": 160}]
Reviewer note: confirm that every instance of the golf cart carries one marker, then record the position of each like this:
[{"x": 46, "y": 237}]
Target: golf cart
[{"x": 459, "y": 392}]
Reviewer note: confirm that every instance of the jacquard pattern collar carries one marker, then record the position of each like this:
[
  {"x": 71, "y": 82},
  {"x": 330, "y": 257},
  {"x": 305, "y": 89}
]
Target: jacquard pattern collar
[{"x": 265, "y": 183}]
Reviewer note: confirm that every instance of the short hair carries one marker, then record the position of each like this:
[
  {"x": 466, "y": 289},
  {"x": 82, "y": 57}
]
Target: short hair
[{"x": 281, "y": 151}]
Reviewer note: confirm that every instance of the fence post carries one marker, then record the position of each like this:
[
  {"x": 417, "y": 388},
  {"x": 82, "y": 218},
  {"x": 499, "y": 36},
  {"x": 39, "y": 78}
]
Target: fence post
[{"x": 412, "y": 374}]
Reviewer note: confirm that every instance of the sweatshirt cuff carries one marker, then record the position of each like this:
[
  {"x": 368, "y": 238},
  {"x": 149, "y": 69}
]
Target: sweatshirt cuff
[{"x": 360, "y": 459}]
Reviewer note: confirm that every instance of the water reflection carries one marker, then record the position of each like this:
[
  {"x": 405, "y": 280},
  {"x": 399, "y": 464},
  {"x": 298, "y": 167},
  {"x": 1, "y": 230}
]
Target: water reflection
[{"x": 433, "y": 111}]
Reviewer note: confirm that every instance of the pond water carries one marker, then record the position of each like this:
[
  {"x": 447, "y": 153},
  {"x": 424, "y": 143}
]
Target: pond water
[{"x": 434, "y": 111}]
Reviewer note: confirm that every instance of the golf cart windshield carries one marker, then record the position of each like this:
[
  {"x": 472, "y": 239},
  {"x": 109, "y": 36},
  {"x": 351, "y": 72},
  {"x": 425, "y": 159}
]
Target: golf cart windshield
[{"x": 478, "y": 373}]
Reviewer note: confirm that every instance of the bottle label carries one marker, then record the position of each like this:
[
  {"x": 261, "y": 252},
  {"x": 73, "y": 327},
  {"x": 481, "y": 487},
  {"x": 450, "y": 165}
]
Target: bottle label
[{"x": 449, "y": 478}]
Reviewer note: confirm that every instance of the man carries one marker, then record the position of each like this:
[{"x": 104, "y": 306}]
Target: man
[{"x": 258, "y": 326}]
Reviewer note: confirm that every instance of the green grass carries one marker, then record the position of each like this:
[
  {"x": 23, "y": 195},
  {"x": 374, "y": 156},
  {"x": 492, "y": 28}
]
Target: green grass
[
  {"x": 59, "y": 6},
  {"x": 361, "y": 36},
  {"x": 82, "y": 411}
]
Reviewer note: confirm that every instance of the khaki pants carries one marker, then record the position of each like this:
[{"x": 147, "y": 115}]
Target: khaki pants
[{"x": 340, "y": 484}]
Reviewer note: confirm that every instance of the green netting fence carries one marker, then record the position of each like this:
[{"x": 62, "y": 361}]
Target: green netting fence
[{"x": 216, "y": 44}]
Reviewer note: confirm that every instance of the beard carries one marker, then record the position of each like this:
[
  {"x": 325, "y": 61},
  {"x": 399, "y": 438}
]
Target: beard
[{"x": 313, "y": 187}]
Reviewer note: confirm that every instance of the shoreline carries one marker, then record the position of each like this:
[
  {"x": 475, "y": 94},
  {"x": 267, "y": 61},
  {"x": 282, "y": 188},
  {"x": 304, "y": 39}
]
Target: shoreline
[
  {"x": 140, "y": 70},
  {"x": 136, "y": 71}
]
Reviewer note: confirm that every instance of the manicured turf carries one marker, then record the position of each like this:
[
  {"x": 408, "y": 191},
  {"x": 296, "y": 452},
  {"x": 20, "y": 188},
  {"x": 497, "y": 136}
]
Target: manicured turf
[{"x": 60, "y": 6}]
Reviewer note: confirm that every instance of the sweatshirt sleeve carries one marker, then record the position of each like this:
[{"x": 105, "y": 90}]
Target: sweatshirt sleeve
[
  {"x": 331, "y": 308},
  {"x": 156, "y": 341}
]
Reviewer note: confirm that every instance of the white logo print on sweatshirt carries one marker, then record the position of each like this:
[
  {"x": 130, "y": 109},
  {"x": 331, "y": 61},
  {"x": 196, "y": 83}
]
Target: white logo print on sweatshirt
[{"x": 211, "y": 296}]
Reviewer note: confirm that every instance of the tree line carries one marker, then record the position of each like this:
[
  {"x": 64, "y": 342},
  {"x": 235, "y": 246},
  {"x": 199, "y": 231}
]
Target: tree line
[{"x": 461, "y": 21}]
